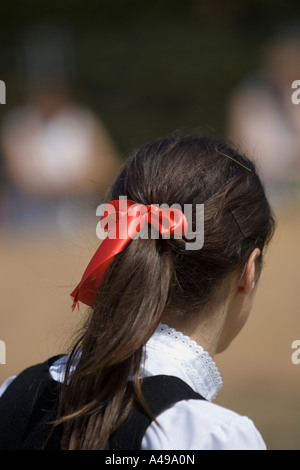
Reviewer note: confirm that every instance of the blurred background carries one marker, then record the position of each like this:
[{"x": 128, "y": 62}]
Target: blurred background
[{"x": 86, "y": 82}]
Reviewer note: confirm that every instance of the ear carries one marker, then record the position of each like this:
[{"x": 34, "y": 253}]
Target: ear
[{"x": 247, "y": 281}]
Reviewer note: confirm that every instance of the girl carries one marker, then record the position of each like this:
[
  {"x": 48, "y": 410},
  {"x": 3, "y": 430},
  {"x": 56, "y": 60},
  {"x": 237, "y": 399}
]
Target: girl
[{"x": 141, "y": 374}]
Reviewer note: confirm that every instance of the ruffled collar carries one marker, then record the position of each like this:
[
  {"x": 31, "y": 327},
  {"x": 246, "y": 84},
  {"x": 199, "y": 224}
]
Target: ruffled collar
[{"x": 170, "y": 352}]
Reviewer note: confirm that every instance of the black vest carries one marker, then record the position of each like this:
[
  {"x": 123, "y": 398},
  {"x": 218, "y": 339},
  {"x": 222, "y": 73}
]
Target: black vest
[{"x": 30, "y": 403}]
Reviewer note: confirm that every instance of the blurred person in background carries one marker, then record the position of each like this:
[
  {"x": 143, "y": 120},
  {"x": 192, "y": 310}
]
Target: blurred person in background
[
  {"x": 264, "y": 122},
  {"x": 57, "y": 153}
]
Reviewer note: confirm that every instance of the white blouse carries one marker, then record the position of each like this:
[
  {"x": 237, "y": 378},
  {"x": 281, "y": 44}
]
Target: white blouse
[{"x": 188, "y": 424}]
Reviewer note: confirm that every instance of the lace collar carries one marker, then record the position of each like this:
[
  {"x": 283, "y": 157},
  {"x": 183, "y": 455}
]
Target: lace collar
[{"x": 171, "y": 352}]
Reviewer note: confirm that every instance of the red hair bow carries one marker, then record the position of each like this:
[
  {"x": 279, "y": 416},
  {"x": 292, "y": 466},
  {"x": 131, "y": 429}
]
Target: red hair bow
[{"x": 124, "y": 219}]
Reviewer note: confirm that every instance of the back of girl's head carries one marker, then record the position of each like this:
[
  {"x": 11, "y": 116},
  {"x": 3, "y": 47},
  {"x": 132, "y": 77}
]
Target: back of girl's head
[
  {"x": 237, "y": 216},
  {"x": 152, "y": 276}
]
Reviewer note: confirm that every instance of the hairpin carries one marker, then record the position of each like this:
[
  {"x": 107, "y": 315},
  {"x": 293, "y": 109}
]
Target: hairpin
[{"x": 236, "y": 161}]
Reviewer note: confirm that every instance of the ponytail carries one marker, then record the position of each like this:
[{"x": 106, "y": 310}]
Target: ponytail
[{"x": 130, "y": 301}]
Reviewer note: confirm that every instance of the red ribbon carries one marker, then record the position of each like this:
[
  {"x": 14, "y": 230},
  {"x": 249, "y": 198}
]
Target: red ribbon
[{"x": 125, "y": 219}]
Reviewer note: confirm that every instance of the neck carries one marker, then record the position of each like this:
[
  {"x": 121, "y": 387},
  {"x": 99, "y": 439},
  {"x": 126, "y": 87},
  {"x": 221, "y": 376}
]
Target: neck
[{"x": 204, "y": 328}]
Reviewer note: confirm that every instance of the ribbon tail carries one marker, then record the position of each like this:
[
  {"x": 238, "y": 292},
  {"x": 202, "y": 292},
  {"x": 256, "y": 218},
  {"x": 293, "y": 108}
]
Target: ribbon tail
[
  {"x": 86, "y": 290},
  {"x": 125, "y": 229},
  {"x": 74, "y": 295}
]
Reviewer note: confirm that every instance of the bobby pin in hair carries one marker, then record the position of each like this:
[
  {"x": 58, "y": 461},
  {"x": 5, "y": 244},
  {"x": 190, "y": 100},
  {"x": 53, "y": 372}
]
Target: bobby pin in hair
[
  {"x": 238, "y": 226},
  {"x": 236, "y": 161}
]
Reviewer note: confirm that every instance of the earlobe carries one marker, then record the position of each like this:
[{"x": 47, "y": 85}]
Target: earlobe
[{"x": 247, "y": 281}]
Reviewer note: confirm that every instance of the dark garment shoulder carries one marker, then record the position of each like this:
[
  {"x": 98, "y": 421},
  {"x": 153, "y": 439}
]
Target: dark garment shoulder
[{"x": 30, "y": 404}]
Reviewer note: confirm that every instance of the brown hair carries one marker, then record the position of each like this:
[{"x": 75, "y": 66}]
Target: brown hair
[{"x": 152, "y": 275}]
